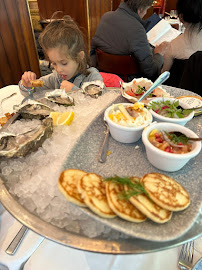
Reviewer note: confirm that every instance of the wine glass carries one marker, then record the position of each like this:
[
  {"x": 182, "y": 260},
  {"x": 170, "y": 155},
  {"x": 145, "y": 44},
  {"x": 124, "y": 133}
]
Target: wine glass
[{"x": 173, "y": 14}]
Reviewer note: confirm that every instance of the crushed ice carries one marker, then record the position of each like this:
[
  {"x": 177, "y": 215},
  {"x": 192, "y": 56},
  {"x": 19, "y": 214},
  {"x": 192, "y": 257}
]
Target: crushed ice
[{"x": 33, "y": 179}]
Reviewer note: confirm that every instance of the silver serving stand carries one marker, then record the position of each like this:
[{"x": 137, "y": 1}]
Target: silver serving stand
[{"x": 121, "y": 246}]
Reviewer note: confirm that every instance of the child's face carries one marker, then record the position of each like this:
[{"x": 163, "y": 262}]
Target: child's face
[{"x": 65, "y": 67}]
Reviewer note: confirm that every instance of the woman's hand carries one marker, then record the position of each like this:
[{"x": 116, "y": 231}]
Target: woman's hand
[
  {"x": 161, "y": 48},
  {"x": 27, "y": 77},
  {"x": 66, "y": 85}
]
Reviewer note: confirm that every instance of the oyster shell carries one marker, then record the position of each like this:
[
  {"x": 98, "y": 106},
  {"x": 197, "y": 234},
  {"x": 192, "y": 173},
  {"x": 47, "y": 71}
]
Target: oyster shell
[
  {"x": 34, "y": 110},
  {"x": 93, "y": 88},
  {"x": 59, "y": 96},
  {"x": 21, "y": 144}
]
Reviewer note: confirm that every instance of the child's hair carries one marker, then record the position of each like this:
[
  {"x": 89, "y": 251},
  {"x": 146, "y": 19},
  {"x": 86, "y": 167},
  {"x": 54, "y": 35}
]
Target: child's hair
[{"x": 66, "y": 34}]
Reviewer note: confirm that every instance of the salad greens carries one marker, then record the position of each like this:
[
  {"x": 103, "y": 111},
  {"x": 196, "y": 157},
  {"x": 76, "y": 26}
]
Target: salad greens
[{"x": 169, "y": 109}]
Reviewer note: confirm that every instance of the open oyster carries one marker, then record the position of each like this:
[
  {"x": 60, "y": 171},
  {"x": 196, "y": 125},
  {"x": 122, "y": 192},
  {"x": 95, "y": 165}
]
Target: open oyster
[
  {"x": 21, "y": 144},
  {"x": 93, "y": 88},
  {"x": 34, "y": 110},
  {"x": 59, "y": 96}
]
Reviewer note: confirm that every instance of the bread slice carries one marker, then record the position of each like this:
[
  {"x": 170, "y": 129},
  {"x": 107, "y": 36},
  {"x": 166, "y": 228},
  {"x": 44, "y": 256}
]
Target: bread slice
[
  {"x": 166, "y": 192},
  {"x": 149, "y": 208},
  {"x": 93, "y": 191},
  {"x": 123, "y": 208},
  {"x": 37, "y": 83},
  {"x": 67, "y": 184}
]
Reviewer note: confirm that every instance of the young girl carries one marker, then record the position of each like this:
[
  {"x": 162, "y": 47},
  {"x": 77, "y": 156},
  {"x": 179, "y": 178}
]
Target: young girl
[{"x": 63, "y": 43}]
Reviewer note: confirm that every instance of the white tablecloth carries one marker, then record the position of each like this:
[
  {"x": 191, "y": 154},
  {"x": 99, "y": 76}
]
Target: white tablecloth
[
  {"x": 43, "y": 254},
  {"x": 46, "y": 254}
]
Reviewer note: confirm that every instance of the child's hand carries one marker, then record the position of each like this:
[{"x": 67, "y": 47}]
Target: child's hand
[
  {"x": 66, "y": 85},
  {"x": 27, "y": 77}
]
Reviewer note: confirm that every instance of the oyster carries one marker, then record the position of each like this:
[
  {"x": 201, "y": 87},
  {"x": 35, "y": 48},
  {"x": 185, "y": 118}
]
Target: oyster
[
  {"x": 59, "y": 96},
  {"x": 93, "y": 88},
  {"x": 21, "y": 144},
  {"x": 34, "y": 110}
]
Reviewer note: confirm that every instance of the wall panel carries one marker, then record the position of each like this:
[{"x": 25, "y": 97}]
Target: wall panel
[
  {"x": 17, "y": 45},
  {"x": 96, "y": 9}
]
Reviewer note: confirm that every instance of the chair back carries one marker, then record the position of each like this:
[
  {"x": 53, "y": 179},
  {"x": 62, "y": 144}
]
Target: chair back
[{"x": 122, "y": 65}]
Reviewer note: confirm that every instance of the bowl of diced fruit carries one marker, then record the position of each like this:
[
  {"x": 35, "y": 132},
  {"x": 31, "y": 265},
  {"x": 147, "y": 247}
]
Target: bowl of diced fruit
[
  {"x": 170, "y": 110},
  {"x": 170, "y": 146}
]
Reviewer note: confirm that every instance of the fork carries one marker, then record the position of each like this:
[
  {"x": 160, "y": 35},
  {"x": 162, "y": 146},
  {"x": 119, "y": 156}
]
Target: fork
[{"x": 186, "y": 256}]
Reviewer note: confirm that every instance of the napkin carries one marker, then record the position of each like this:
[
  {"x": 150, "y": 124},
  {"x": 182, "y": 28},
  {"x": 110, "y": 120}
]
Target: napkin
[
  {"x": 9, "y": 227},
  {"x": 7, "y": 105}
]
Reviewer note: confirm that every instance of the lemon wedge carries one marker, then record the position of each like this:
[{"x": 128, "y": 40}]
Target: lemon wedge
[
  {"x": 55, "y": 116},
  {"x": 65, "y": 118}
]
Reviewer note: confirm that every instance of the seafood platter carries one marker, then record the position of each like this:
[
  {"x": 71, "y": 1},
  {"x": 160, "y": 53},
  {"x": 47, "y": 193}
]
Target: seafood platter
[{"x": 41, "y": 164}]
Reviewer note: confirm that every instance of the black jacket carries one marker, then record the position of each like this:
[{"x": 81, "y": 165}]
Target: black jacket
[{"x": 122, "y": 32}]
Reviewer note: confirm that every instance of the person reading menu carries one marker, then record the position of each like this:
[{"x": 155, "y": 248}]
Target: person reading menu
[{"x": 122, "y": 32}]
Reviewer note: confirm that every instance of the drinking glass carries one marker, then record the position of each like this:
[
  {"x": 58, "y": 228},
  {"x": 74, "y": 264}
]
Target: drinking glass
[{"x": 173, "y": 14}]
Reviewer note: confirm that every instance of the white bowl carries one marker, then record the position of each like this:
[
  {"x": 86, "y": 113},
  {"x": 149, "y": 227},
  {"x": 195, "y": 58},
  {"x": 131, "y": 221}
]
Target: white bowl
[
  {"x": 180, "y": 121},
  {"x": 168, "y": 161},
  {"x": 121, "y": 133}
]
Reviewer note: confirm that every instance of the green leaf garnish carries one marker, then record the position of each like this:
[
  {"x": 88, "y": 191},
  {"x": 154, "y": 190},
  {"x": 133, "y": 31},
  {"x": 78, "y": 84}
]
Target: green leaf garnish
[
  {"x": 140, "y": 90},
  {"x": 135, "y": 187},
  {"x": 177, "y": 139}
]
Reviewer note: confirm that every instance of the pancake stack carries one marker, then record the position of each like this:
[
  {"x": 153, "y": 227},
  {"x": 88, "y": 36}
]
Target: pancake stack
[{"x": 161, "y": 195}]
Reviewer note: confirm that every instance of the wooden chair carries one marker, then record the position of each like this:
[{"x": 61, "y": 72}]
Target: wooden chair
[{"x": 121, "y": 65}]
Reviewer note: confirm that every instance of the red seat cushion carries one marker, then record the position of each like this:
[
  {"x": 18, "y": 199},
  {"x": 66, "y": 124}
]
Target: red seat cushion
[{"x": 111, "y": 80}]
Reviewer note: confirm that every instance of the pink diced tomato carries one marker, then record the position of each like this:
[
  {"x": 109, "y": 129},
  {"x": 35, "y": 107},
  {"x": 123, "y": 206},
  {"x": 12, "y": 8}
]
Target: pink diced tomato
[
  {"x": 130, "y": 93},
  {"x": 168, "y": 149}
]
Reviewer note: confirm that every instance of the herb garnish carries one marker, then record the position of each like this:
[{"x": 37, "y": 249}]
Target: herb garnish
[
  {"x": 177, "y": 139},
  {"x": 135, "y": 187},
  {"x": 140, "y": 90}
]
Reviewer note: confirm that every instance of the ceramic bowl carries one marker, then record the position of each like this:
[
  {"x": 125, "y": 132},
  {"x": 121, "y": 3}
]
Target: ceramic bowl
[
  {"x": 180, "y": 121},
  {"x": 165, "y": 161},
  {"x": 125, "y": 134}
]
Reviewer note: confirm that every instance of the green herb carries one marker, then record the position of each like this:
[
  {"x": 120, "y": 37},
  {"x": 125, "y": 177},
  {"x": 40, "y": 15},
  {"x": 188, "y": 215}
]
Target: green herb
[
  {"x": 150, "y": 95},
  {"x": 140, "y": 90},
  {"x": 177, "y": 139},
  {"x": 135, "y": 187}
]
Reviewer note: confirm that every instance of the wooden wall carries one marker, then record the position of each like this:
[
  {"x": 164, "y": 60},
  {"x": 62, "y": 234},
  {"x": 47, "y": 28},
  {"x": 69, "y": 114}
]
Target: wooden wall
[
  {"x": 86, "y": 13},
  {"x": 170, "y": 4},
  {"x": 17, "y": 44}
]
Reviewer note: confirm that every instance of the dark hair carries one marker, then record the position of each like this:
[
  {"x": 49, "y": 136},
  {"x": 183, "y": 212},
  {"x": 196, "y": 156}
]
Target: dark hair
[
  {"x": 136, "y": 4},
  {"x": 191, "y": 11},
  {"x": 66, "y": 34}
]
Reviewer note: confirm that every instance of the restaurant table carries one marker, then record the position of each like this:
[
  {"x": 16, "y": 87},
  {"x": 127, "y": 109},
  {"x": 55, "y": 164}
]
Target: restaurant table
[
  {"x": 35, "y": 252},
  {"x": 52, "y": 255}
]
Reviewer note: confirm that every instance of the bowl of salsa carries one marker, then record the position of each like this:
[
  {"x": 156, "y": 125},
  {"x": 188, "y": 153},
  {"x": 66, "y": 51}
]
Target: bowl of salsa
[{"x": 166, "y": 152}]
